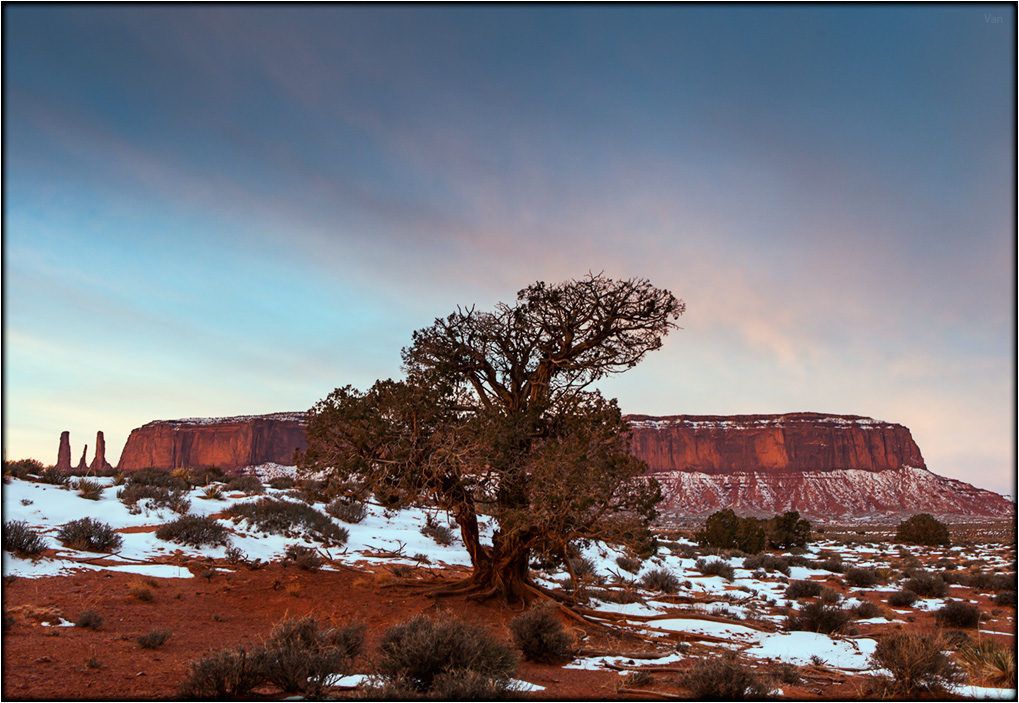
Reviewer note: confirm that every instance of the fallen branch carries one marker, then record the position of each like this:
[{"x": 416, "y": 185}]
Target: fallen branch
[{"x": 650, "y": 692}]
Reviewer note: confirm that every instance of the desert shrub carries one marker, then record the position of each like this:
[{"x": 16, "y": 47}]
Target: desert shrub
[
  {"x": 902, "y": 599},
  {"x": 89, "y": 489},
  {"x": 233, "y": 672},
  {"x": 245, "y": 484},
  {"x": 923, "y": 529},
  {"x": 832, "y": 563},
  {"x": 991, "y": 582},
  {"x": 89, "y": 620},
  {"x": 23, "y": 468},
  {"x": 715, "y": 567},
  {"x": 957, "y": 613},
  {"x": 282, "y": 483},
  {"x": 628, "y": 564},
  {"x": 768, "y": 562},
  {"x": 541, "y": 636},
  {"x": 818, "y": 617},
  {"x": 1005, "y": 598},
  {"x": 53, "y": 475},
  {"x": 660, "y": 580},
  {"x": 989, "y": 662},
  {"x": 301, "y": 654},
  {"x": 725, "y": 677},
  {"x": 787, "y": 530},
  {"x": 440, "y": 533},
  {"x": 137, "y": 589},
  {"x": 916, "y": 662},
  {"x": 829, "y": 595},
  {"x": 926, "y": 584},
  {"x": 194, "y": 530},
  {"x": 162, "y": 478},
  {"x": 803, "y": 589},
  {"x": 422, "y": 649},
  {"x": 867, "y": 610},
  {"x": 347, "y": 510},
  {"x": 89, "y": 535},
  {"x": 861, "y": 578},
  {"x": 22, "y": 539},
  {"x": 154, "y": 639},
  {"x": 206, "y": 475},
  {"x": 725, "y": 530},
  {"x": 304, "y": 558},
  {"x": 156, "y": 496},
  {"x": 284, "y": 517},
  {"x": 213, "y": 492},
  {"x": 583, "y": 568}
]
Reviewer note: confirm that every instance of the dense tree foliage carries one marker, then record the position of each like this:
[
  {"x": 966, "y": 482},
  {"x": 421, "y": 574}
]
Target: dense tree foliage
[
  {"x": 725, "y": 530},
  {"x": 495, "y": 416},
  {"x": 923, "y": 528}
]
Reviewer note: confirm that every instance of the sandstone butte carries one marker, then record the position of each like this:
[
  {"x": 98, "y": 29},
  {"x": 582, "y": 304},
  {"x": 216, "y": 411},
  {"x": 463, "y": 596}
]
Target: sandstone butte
[{"x": 825, "y": 466}]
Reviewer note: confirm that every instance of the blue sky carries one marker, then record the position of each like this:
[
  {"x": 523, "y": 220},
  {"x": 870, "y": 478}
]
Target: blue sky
[{"x": 220, "y": 210}]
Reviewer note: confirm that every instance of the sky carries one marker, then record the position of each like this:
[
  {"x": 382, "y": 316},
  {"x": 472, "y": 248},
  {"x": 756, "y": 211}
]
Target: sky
[{"x": 214, "y": 210}]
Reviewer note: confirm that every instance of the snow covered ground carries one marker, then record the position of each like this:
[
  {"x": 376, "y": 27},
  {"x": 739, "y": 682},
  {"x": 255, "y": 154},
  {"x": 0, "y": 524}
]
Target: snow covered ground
[{"x": 747, "y": 598}]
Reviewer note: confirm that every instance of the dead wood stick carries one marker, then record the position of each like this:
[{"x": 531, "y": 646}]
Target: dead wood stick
[
  {"x": 649, "y": 692},
  {"x": 624, "y": 655}
]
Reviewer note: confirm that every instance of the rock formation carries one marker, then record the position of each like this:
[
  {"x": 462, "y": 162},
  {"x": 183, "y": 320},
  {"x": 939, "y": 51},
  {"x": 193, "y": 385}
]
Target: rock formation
[
  {"x": 99, "y": 463},
  {"x": 83, "y": 465},
  {"x": 64, "y": 452},
  {"x": 824, "y": 466},
  {"x": 229, "y": 442}
]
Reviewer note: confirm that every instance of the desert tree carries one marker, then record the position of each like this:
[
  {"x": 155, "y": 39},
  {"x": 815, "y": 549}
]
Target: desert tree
[{"x": 496, "y": 416}]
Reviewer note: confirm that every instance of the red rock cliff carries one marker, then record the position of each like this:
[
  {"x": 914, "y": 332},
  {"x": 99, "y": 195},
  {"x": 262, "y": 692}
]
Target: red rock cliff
[
  {"x": 772, "y": 444},
  {"x": 228, "y": 442}
]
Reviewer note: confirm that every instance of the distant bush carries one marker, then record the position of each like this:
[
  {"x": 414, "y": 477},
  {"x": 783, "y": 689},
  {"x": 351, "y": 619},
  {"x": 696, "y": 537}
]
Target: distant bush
[
  {"x": 421, "y": 650},
  {"x": 53, "y": 475},
  {"x": 959, "y": 614},
  {"x": 194, "y": 530},
  {"x": 923, "y": 529},
  {"x": 245, "y": 484},
  {"x": 89, "y": 535},
  {"x": 23, "y": 468},
  {"x": 902, "y": 599},
  {"x": 819, "y": 617},
  {"x": 917, "y": 663},
  {"x": 660, "y": 580},
  {"x": 156, "y": 495},
  {"x": 206, "y": 475},
  {"x": 724, "y": 530},
  {"x": 715, "y": 567},
  {"x": 861, "y": 578},
  {"x": 89, "y": 620},
  {"x": 89, "y": 489},
  {"x": 787, "y": 530},
  {"x": 284, "y": 517},
  {"x": 154, "y": 639},
  {"x": 628, "y": 564},
  {"x": 282, "y": 483},
  {"x": 304, "y": 558},
  {"x": 347, "y": 510},
  {"x": 867, "y": 610},
  {"x": 162, "y": 478},
  {"x": 22, "y": 539},
  {"x": 803, "y": 589},
  {"x": 926, "y": 584},
  {"x": 832, "y": 563},
  {"x": 767, "y": 562},
  {"x": 725, "y": 677},
  {"x": 541, "y": 636},
  {"x": 1005, "y": 598},
  {"x": 230, "y": 673}
]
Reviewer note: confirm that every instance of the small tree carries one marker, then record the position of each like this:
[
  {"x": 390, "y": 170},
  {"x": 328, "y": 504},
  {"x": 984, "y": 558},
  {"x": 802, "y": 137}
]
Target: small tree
[
  {"x": 787, "y": 530},
  {"x": 494, "y": 414},
  {"x": 923, "y": 528},
  {"x": 725, "y": 530}
]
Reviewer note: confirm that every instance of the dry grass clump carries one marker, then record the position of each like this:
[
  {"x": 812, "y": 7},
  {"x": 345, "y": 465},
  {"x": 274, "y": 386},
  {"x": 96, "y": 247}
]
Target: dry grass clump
[
  {"x": 628, "y": 564},
  {"x": 425, "y": 653},
  {"x": 989, "y": 663},
  {"x": 89, "y": 535},
  {"x": 540, "y": 635},
  {"x": 194, "y": 530},
  {"x": 926, "y": 584},
  {"x": 22, "y": 539},
  {"x": 89, "y": 620},
  {"x": 661, "y": 580},
  {"x": 917, "y": 663},
  {"x": 154, "y": 639},
  {"x": 725, "y": 677},
  {"x": 89, "y": 489},
  {"x": 141, "y": 591},
  {"x": 346, "y": 510}
]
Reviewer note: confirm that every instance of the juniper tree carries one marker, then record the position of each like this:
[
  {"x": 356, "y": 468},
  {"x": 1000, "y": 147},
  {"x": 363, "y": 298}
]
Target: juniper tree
[{"x": 496, "y": 415}]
